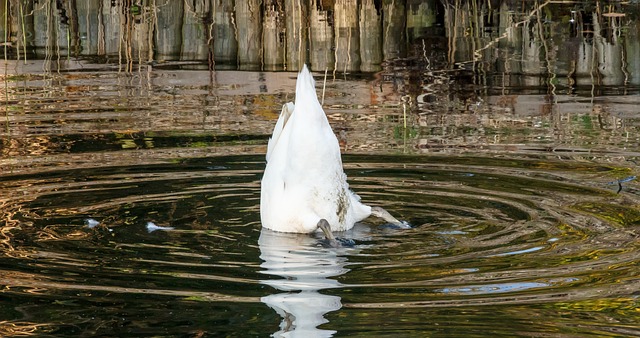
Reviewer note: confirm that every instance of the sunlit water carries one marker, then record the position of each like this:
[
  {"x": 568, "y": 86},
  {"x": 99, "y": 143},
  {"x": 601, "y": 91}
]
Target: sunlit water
[
  {"x": 130, "y": 207},
  {"x": 515, "y": 247},
  {"x": 130, "y": 184}
]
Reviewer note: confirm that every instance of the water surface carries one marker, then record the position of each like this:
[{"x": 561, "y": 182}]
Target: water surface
[
  {"x": 129, "y": 191},
  {"x": 526, "y": 246}
]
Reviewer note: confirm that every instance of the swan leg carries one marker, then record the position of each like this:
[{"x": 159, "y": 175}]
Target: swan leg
[{"x": 386, "y": 216}]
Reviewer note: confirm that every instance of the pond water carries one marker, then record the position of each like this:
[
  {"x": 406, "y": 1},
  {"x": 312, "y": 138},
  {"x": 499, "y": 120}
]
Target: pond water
[{"x": 129, "y": 190}]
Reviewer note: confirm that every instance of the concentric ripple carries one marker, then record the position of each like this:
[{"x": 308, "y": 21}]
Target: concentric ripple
[{"x": 178, "y": 246}]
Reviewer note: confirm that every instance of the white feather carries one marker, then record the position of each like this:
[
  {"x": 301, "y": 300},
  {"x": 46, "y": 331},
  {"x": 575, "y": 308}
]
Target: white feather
[{"x": 304, "y": 180}]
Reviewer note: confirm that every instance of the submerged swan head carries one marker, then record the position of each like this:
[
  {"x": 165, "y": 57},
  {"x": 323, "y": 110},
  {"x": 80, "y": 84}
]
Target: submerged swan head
[{"x": 304, "y": 187}]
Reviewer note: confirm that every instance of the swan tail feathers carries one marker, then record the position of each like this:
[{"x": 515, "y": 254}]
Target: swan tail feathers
[
  {"x": 306, "y": 88},
  {"x": 285, "y": 114}
]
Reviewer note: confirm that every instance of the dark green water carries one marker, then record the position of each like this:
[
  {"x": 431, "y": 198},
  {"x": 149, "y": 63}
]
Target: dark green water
[
  {"x": 507, "y": 136},
  {"x": 508, "y": 246}
]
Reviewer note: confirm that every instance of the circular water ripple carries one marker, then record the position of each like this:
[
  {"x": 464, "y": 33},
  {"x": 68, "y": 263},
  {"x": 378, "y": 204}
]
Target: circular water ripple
[{"x": 491, "y": 238}]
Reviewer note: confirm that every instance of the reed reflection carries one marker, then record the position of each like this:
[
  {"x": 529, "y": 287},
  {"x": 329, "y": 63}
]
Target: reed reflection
[
  {"x": 596, "y": 38},
  {"x": 306, "y": 269}
]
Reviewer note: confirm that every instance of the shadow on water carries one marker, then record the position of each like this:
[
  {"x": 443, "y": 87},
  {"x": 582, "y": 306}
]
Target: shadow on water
[{"x": 132, "y": 147}]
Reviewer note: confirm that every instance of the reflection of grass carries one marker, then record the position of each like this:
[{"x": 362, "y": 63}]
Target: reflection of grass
[
  {"x": 586, "y": 121},
  {"x": 624, "y": 216},
  {"x": 148, "y": 140},
  {"x": 607, "y": 305},
  {"x": 399, "y": 132},
  {"x": 24, "y": 77},
  {"x": 505, "y": 131}
]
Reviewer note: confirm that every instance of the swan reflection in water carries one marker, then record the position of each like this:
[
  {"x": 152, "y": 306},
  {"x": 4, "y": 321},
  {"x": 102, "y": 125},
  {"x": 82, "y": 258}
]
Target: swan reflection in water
[{"x": 305, "y": 268}]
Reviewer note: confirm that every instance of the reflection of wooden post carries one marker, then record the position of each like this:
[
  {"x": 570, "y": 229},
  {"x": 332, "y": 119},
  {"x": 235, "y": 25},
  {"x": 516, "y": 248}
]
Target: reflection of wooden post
[
  {"x": 168, "y": 35},
  {"x": 273, "y": 38},
  {"x": 457, "y": 21},
  {"x": 88, "y": 12},
  {"x": 609, "y": 50},
  {"x": 507, "y": 24},
  {"x": 370, "y": 37},
  {"x": 22, "y": 23},
  {"x": 4, "y": 33},
  {"x": 109, "y": 29},
  {"x": 46, "y": 30},
  {"x": 393, "y": 29},
  {"x": 249, "y": 29},
  {"x": 71, "y": 18},
  {"x": 321, "y": 55},
  {"x": 347, "y": 37},
  {"x": 450, "y": 33},
  {"x": 225, "y": 45},
  {"x": 421, "y": 15},
  {"x": 531, "y": 49},
  {"x": 296, "y": 11},
  {"x": 632, "y": 47},
  {"x": 194, "y": 34},
  {"x": 142, "y": 20},
  {"x": 512, "y": 42},
  {"x": 585, "y": 67}
]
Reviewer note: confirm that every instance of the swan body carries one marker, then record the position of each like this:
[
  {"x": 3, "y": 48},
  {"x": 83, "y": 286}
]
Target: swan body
[{"x": 303, "y": 181}]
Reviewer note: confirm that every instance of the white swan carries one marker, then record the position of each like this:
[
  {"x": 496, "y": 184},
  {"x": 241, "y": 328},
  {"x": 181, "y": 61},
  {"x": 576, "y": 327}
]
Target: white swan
[{"x": 304, "y": 187}]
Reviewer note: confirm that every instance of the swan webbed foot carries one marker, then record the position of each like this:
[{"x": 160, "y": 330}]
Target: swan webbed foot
[{"x": 386, "y": 216}]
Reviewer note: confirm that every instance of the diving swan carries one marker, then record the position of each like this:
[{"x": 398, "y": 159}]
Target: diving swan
[{"x": 304, "y": 187}]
